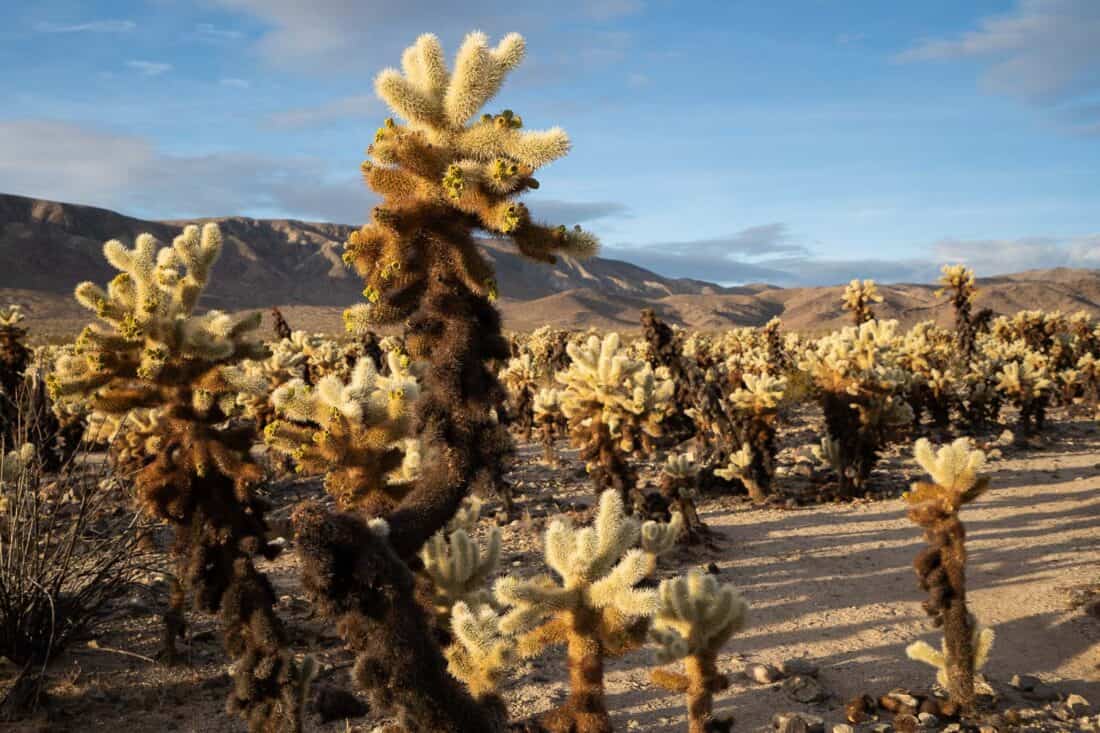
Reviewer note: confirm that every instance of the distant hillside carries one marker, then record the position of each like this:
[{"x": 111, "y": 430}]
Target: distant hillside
[{"x": 47, "y": 247}]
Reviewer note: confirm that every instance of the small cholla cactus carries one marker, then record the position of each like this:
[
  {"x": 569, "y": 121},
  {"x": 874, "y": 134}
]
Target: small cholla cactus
[
  {"x": 613, "y": 404},
  {"x": 695, "y": 617},
  {"x": 458, "y": 568},
  {"x": 957, "y": 283},
  {"x": 149, "y": 351},
  {"x": 679, "y": 478},
  {"x": 14, "y": 357},
  {"x": 857, "y": 299},
  {"x": 756, "y": 406},
  {"x": 955, "y": 470},
  {"x": 860, "y": 383},
  {"x": 549, "y": 420},
  {"x": 595, "y": 606},
  {"x": 357, "y": 434}
]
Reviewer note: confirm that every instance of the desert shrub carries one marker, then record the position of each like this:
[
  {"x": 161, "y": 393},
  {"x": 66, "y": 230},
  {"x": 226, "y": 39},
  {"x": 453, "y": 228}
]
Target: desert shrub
[
  {"x": 65, "y": 554},
  {"x": 941, "y": 567},
  {"x": 614, "y": 404},
  {"x": 857, "y": 299},
  {"x": 859, "y": 382},
  {"x": 149, "y": 351}
]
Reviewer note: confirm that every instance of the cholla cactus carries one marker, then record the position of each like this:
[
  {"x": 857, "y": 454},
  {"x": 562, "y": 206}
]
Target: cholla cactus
[
  {"x": 458, "y": 568},
  {"x": 678, "y": 484},
  {"x": 595, "y": 606},
  {"x": 860, "y": 382},
  {"x": 14, "y": 357},
  {"x": 1025, "y": 380},
  {"x": 957, "y": 283},
  {"x": 549, "y": 420},
  {"x": 756, "y": 406},
  {"x": 133, "y": 439},
  {"x": 664, "y": 348},
  {"x": 941, "y": 567},
  {"x": 357, "y": 434},
  {"x": 695, "y": 617},
  {"x": 922, "y": 651},
  {"x": 930, "y": 356},
  {"x": 857, "y": 299},
  {"x": 613, "y": 404},
  {"x": 444, "y": 174},
  {"x": 151, "y": 352},
  {"x": 521, "y": 378},
  {"x": 481, "y": 654}
]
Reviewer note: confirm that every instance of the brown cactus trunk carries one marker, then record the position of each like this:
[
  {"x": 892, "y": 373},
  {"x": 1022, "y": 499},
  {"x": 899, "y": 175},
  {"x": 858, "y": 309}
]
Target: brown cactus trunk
[
  {"x": 700, "y": 698},
  {"x": 584, "y": 711},
  {"x": 958, "y": 626}
]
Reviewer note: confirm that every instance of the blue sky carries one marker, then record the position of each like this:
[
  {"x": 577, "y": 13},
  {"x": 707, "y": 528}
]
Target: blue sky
[{"x": 806, "y": 141}]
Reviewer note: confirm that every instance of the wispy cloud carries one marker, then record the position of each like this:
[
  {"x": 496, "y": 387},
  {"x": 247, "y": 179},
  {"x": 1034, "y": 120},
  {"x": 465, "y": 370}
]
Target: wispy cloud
[
  {"x": 94, "y": 26},
  {"x": 338, "y": 109},
  {"x": 1043, "y": 51},
  {"x": 210, "y": 32},
  {"x": 149, "y": 68},
  {"x": 235, "y": 83}
]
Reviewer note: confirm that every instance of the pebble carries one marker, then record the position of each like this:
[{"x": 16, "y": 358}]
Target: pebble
[
  {"x": 1024, "y": 682},
  {"x": 860, "y": 709},
  {"x": 882, "y": 728},
  {"x": 928, "y": 720},
  {"x": 843, "y": 728},
  {"x": 906, "y": 723},
  {"x": 804, "y": 689},
  {"x": 798, "y": 723},
  {"x": 1078, "y": 705},
  {"x": 762, "y": 674}
]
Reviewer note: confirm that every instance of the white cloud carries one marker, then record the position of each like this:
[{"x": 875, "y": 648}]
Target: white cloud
[
  {"x": 1043, "y": 51},
  {"x": 69, "y": 162},
  {"x": 1000, "y": 256},
  {"x": 149, "y": 68},
  {"x": 95, "y": 26}
]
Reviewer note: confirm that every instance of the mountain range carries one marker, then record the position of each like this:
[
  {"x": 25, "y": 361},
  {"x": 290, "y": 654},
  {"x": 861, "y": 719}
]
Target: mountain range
[{"x": 47, "y": 247}]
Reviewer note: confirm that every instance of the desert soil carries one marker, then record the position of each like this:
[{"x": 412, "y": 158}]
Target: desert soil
[{"x": 831, "y": 584}]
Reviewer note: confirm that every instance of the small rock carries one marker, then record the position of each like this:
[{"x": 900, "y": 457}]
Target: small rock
[
  {"x": 843, "y": 728},
  {"x": 860, "y": 709},
  {"x": 1062, "y": 712},
  {"x": 762, "y": 674},
  {"x": 906, "y": 723},
  {"x": 792, "y": 667},
  {"x": 987, "y": 729},
  {"x": 1013, "y": 716},
  {"x": 798, "y": 723},
  {"x": 899, "y": 702},
  {"x": 882, "y": 728},
  {"x": 928, "y": 720},
  {"x": 953, "y": 728},
  {"x": 1024, "y": 682},
  {"x": 803, "y": 689},
  {"x": 1078, "y": 705}
]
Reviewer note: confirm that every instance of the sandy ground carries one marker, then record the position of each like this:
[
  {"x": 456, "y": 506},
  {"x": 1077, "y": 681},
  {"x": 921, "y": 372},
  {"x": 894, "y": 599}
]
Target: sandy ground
[{"x": 829, "y": 583}]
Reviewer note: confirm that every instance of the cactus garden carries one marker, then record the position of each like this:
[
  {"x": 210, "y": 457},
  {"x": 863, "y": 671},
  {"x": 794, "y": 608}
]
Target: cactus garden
[{"x": 211, "y": 520}]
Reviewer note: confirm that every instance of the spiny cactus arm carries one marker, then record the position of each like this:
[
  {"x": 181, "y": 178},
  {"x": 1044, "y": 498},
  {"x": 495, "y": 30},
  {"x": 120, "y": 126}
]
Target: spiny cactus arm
[
  {"x": 480, "y": 655},
  {"x": 11, "y": 316},
  {"x": 458, "y": 568},
  {"x": 660, "y": 537},
  {"x": 616, "y": 589}
]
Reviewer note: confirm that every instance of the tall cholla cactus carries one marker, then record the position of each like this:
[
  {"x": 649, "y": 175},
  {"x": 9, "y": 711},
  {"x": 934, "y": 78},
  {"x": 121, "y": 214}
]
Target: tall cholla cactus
[
  {"x": 756, "y": 406},
  {"x": 941, "y": 567},
  {"x": 957, "y": 283},
  {"x": 549, "y": 421},
  {"x": 595, "y": 606},
  {"x": 695, "y": 617},
  {"x": 444, "y": 174},
  {"x": 858, "y": 297},
  {"x": 357, "y": 434},
  {"x": 149, "y": 351},
  {"x": 613, "y": 404}
]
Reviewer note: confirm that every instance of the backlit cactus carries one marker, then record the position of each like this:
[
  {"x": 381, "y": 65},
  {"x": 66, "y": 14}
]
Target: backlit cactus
[
  {"x": 149, "y": 351},
  {"x": 858, "y": 298},
  {"x": 594, "y": 607},
  {"x": 957, "y": 283},
  {"x": 696, "y": 616},
  {"x": 957, "y": 480},
  {"x": 614, "y": 404}
]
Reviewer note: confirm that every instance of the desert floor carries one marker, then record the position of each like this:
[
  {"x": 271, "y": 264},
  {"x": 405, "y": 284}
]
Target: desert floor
[{"x": 828, "y": 583}]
